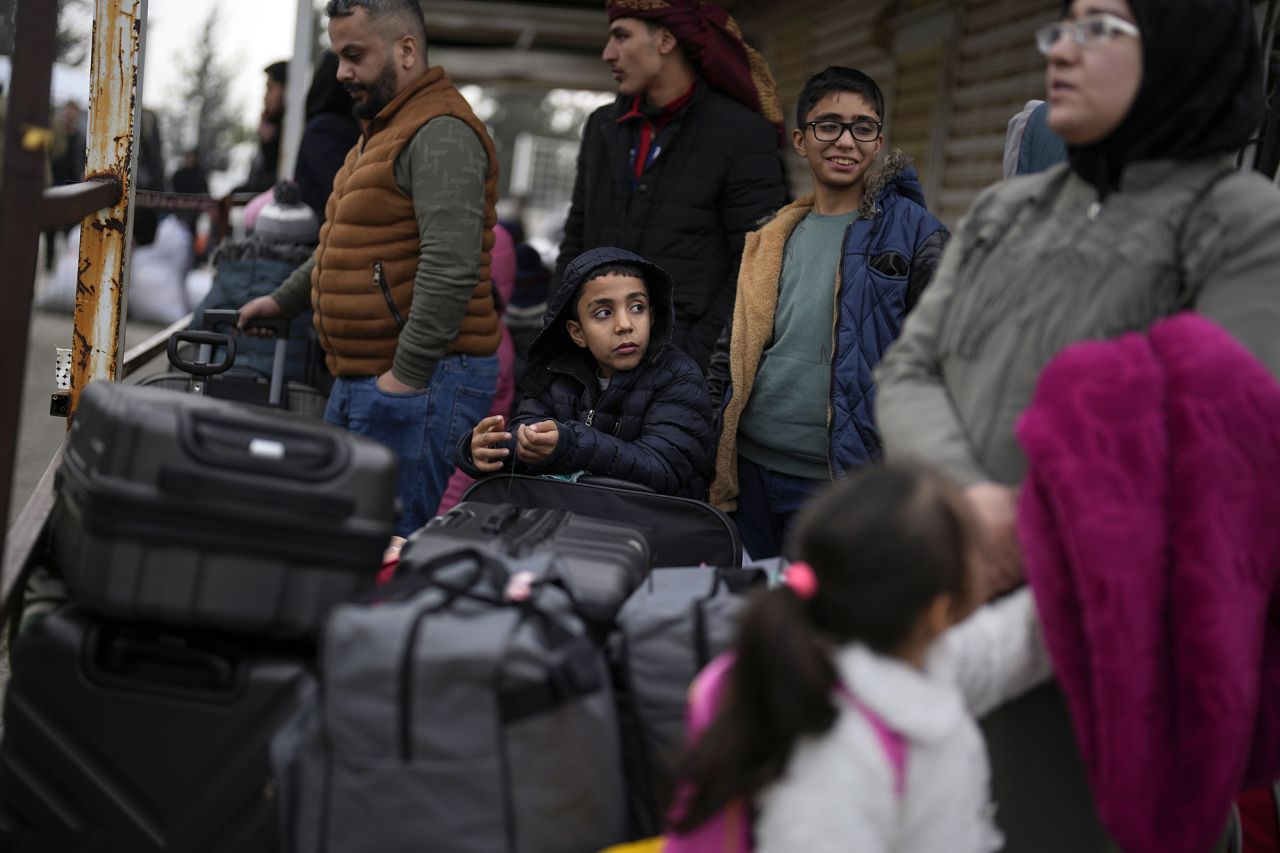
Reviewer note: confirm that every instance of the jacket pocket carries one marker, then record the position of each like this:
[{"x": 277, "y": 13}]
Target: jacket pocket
[
  {"x": 891, "y": 263},
  {"x": 380, "y": 282}
]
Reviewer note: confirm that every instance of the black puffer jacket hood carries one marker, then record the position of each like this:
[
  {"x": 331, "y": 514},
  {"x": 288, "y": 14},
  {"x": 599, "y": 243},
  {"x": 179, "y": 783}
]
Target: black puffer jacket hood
[{"x": 553, "y": 351}]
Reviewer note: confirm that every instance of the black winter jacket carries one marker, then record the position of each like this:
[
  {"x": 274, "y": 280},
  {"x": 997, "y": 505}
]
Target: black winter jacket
[
  {"x": 652, "y": 425},
  {"x": 717, "y": 175}
]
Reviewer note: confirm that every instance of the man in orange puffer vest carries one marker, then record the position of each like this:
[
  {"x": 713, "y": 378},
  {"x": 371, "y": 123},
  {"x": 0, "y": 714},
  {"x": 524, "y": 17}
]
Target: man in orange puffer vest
[{"x": 400, "y": 282}]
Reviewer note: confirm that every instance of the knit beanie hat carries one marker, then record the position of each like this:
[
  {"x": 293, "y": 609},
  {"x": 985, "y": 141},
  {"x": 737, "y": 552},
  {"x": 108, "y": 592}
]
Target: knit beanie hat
[{"x": 286, "y": 219}]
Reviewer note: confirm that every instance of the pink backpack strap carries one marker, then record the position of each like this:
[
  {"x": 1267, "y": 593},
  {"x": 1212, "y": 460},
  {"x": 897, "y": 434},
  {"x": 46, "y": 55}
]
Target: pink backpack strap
[
  {"x": 730, "y": 830},
  {"x": 893, "y": 743},
  {"x": 705, "y": 693}
]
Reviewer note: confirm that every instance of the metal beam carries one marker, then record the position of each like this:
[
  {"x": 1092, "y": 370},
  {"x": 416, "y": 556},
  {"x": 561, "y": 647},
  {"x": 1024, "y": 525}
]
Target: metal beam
[
  {"x": 26, "y": 143},
  {"x": 486, "y": 20},
  {"x": 73, "y": 202},
  {"x": 295, "y": 97},
  {"x": 535, "y": 68},
  {"x": 115, "y": 101}
]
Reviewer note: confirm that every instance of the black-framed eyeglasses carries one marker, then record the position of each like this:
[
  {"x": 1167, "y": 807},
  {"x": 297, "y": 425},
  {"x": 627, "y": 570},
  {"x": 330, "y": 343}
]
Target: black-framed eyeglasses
[{"x": 829, "y": 130}]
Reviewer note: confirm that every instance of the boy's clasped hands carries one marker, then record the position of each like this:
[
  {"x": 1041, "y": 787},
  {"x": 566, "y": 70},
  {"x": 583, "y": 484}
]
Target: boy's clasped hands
[{"x": 534, "y": 442}]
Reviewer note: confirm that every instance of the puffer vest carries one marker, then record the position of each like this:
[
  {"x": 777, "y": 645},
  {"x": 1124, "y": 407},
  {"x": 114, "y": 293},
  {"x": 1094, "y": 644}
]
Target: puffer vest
[{"x": 370, "y": 226}]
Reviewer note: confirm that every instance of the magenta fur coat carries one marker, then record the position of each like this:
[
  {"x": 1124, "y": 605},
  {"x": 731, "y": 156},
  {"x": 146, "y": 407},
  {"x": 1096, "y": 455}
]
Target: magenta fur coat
[{"x": 1150, "y": 520}]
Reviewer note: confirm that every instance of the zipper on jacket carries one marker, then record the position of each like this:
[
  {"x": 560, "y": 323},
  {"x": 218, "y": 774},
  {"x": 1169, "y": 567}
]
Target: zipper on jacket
[
  {"x": 835, "y": 348},
  {"x": 591, "y": 416},
  {"x": 380, "y": 282}
]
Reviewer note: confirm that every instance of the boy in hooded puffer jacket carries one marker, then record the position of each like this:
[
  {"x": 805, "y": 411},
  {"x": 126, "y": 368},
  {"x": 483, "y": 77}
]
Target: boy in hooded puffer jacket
[{"x": 607, "y": 392}]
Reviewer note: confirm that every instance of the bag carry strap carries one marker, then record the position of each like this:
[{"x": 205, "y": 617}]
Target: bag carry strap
[
  {"x": 893, "y": 743},
  {"x": 736, "y": 581},
  {"x": 574, "y": 676},
  {"x": 426, "y": 576}
]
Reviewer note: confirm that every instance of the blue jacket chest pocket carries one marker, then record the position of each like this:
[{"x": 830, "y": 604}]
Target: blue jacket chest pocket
[{"x": 892, "y": 264}]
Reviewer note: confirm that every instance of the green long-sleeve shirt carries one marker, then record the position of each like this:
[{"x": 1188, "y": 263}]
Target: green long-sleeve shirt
[{"x": 450, "y": 216}]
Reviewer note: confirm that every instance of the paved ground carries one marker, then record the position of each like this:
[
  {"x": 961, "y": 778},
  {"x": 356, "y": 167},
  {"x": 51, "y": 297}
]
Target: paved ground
[{"x": 38, "y": 433}]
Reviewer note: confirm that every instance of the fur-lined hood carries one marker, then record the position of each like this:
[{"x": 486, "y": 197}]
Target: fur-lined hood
[{"x": 898, "y": 170}]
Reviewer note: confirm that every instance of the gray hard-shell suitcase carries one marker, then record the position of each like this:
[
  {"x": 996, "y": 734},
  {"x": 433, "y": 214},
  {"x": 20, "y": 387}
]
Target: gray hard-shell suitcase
[
  {"x": 600, "y": 562},
  {"x": 201, "y": 512},
  {"x": 452, "y": 719},
  {"x": 669, "y": 629}
]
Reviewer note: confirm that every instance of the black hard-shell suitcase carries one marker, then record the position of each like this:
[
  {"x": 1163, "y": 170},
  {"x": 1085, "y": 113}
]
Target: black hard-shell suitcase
[
  {"x": 681, "y": 531},
  {"x": 132, "y": 737},
  {"x": 601, "y": 562},
  {"x": 201, "y": 512},
  {"x": 201, "y": 374}
]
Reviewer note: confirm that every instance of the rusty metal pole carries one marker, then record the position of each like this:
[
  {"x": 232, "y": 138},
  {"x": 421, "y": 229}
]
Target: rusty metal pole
[
  {"x": 26, "y": 144},
  {"x": 115, "y": 107}
]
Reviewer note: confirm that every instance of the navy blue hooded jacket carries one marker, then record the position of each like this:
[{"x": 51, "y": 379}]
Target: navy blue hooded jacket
[
  {"x": 652, "y": 425},
  {"x": 888, "y": 255}
]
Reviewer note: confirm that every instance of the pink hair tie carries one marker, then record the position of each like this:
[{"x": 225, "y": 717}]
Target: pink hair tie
[{"x": 800, "y": 578}]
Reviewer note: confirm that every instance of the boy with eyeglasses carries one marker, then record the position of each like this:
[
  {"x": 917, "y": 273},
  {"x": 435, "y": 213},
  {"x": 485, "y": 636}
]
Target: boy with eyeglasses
[{"x": 822, "y": 292}]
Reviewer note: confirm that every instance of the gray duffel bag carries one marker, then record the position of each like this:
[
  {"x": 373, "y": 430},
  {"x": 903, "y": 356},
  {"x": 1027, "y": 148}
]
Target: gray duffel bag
[
  {"x": 670, "y": 627},
  {"x": 456, "y": 720}
]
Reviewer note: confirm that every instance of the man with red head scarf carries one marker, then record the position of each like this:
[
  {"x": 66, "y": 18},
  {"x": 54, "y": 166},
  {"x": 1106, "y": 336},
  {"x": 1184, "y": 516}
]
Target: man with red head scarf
[{"x": 685, "y": 162}]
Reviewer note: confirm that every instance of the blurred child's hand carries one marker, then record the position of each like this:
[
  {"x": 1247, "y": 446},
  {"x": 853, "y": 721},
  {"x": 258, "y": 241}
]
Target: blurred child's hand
[
  {"x": 487, "y": 444},
  {"x": 996, "y": 509},
  {"x": 536, "y": 442}
]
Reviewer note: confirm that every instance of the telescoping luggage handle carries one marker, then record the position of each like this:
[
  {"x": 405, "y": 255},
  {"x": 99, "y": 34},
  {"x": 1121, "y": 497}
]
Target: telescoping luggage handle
[
  {"x": 226, "y": 321},
  {"x": 206, "y": 341}
]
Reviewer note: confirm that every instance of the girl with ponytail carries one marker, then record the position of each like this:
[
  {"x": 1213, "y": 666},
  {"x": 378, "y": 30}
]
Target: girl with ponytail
[{"x": 843, "y": 719}]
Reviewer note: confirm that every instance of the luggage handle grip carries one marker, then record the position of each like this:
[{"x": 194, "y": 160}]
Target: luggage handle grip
[
  {"x": 190, "y": 483},
  {"x": 224, "y": 320},
  {"x": 227, "y": 321},
  {"x": 424, "y": 576},
  {"x": 170, "y": 666},
  {"x": 277, "y": 326},
  {"x": 264, "y": 446},
  {"x": 212, "y": 339},
  {"x": 499, "y": 519}
]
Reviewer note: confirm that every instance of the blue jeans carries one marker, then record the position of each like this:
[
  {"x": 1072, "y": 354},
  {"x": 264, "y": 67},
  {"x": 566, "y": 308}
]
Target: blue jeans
[
  {"x": 422, "y": 427},
  {"x": 767, "y": 505}
]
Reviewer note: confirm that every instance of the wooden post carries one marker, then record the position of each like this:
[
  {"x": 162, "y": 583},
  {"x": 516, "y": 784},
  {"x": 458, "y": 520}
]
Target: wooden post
[{"x": 26, "y": 145}]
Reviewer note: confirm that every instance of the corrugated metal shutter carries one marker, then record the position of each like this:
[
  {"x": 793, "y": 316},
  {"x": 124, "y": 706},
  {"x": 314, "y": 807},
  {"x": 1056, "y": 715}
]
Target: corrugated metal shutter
[
  {"x": 998, "y": 71},
  {"x": 915, "y": 106}
]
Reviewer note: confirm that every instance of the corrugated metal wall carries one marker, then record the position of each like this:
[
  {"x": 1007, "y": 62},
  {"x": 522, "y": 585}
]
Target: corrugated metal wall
[
  {"x": 913, "y": 119},
  {"x": 951, "y": 87},
  {"x": 998, "y": 71}
]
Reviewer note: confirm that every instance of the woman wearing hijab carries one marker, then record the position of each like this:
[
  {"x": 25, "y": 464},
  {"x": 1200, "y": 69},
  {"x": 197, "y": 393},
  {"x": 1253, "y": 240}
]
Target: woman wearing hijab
[{"x": 1148, "y": 217}]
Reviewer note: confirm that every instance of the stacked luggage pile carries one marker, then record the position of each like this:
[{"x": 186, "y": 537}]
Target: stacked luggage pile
[
  {"x": 204, "y": 543},
  {"x": 227, "y": 675}
]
